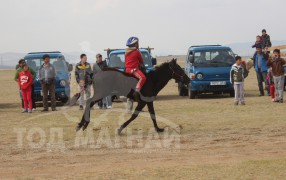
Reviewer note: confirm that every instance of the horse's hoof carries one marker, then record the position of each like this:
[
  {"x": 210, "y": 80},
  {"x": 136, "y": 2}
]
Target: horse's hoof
[
  {"x": 119, "y": 131},
  {"x": 85, "y": 125},
  {"x": 159, "y": 130},
  {"x": 77, "y": 128}
]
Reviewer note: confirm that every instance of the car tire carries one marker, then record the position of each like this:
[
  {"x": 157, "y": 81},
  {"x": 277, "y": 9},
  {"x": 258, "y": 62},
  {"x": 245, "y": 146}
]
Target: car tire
[
  {"x": 192, "y": 94},
  {"x": 65, "y": 100},
  {"x": 231, "y": 93},
  {"x": 182, "y": 90}
]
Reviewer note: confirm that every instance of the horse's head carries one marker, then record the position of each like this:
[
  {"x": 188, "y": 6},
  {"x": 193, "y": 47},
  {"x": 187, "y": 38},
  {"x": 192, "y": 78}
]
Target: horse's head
[{"x": 178, "y": 73}]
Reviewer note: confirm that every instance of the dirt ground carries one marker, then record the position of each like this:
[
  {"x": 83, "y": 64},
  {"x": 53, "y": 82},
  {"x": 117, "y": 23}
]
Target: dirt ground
[{"x": 205, "y": 138}]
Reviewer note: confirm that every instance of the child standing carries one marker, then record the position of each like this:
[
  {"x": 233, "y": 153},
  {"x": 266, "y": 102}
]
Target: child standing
[
  {"x": 25, "y": 81},
  {"x": 276, "y": 63},
  {"x": 270, "y": 83},
  {"x": 237, "y": 75}
]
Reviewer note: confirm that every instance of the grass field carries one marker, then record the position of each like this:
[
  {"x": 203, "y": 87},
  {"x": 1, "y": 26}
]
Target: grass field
[{"x": 212, "y": 139}]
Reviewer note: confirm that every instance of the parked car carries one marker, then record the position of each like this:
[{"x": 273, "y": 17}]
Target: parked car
[
  {"x": 63, "y": 76},
  {"x": 116, "y": 59},
  {"x": 208, "y": 66}
]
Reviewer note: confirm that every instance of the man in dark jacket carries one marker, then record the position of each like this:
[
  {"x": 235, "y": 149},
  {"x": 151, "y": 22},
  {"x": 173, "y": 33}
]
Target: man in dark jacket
[
  {"x": 83, "y": 75},
  {"x": 47, "y": 76},
  {"x": 21, "y": 64},
  {"x": 266, "y": 40},
  {"x": 277, "y": 65},
  {"x": 261, "y": 68},
  {"x": 98, "y": 66}
]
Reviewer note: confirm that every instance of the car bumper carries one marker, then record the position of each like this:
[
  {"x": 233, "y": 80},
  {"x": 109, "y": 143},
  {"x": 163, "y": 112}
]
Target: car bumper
[
  {"x": 61, "y": 94},
  {"x": 205, "y": 86}
]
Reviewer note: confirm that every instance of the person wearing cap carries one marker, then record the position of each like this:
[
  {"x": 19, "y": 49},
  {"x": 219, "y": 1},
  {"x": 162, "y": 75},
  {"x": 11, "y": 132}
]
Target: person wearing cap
[
  {"x": 98, "y": 66},
  {"x": 266, "y": 40},
  {"x": 47, "y": 77},
  {"x": 83, "y": 75},
  {"x": 19, "y": 69}
]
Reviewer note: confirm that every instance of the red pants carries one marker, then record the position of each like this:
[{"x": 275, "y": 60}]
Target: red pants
[
  {"x": 138, "y": 74},
  {"x": 272, "y": 91},
  {"x": 26, "y": 95}
]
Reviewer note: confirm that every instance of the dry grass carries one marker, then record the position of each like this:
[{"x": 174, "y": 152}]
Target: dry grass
[{"x": 217, "y": 140}]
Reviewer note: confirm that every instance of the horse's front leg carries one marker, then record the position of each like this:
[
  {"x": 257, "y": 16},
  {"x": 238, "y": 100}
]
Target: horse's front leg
[
  {"x": 153, "y": 116},
  {"x": 86, "y": 116},
  {"x": 138, "y": 109}
]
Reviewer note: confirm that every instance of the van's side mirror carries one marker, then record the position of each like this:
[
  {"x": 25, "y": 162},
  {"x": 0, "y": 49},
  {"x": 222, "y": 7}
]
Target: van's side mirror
[
  {"x": 154, "y": 61},
  {"x": 192, "y": 58},
  {"x": 70, "y": 67}
]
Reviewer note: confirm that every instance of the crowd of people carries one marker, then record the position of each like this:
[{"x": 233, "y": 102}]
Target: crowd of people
[
  {"x": 25, "y": 76},
  {"x": 84, "y": 77},
  {"x": 269, "y": 70}
]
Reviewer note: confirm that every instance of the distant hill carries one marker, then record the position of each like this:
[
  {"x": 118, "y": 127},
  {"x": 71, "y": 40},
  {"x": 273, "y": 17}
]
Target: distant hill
[
  {"x": 245, "y": 49},
  {"x": 6, "y": 67},
  {"x": 10, "y": 59}
]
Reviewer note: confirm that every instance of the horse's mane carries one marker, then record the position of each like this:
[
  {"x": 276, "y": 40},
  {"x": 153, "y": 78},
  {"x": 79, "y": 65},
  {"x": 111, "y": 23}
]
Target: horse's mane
[{"x": 156, "y": 68}]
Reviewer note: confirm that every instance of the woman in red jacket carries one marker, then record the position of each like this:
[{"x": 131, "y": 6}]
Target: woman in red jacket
[
  {"x": 25, "y": 81},
  {"x": 133, "y": 61}
]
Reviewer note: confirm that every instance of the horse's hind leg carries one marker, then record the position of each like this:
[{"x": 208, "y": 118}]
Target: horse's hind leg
[
  {"x": 86, "y": 116},
  {"x": 153, "y": 116},
  {"x": 138, "y": 109}
]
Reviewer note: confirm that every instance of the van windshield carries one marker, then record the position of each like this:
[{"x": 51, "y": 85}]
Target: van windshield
[
  {"x": 217, "y": 58},
  {"x": 58, "y": 63},
  {"x": 118, "y": 60}
]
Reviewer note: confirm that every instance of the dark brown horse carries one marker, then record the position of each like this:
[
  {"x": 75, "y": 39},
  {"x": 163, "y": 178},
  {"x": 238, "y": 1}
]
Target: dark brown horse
[{"x": 111, "y": 81}]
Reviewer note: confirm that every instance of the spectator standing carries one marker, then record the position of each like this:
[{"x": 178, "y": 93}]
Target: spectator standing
[
  {"x": 237, "y": 75},
  {"x": 21, "y": 64},
  {"x": 83, "y": 75},
  {"x": 277, "y": 63},
  {"x": 261, "y": 68},
  {"x": 98, "y": 66},
  {"x": 47, "y": 76},
  {"x": 266, "y": 40},
  {"x": 25, "y": 81}
]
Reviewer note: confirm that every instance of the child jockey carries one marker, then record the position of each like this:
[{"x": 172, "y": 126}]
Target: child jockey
[{"x": 133, "y": 61}]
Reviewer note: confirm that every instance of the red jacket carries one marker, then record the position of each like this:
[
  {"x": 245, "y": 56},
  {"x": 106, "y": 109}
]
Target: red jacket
[
  {"x": 133, "y": 58},
  {"x": 25, "y": 79}
]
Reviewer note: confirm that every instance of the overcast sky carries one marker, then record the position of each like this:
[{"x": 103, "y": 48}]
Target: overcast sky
[{"x": 170, "y": 26}]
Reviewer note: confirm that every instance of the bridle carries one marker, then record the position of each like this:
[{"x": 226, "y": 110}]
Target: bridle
[{"x": 176, "y": 75}]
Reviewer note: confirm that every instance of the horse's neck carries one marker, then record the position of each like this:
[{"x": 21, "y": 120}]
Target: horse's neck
[{"x": 163, "y": 78}]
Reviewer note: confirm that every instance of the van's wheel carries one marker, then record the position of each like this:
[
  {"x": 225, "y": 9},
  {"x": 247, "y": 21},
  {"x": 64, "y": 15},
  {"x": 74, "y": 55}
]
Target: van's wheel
[
  {"x": 182, "y": 90},
  {"x": 65, "y": 100},
  {"x": 231, "y": 93},
  {"x": 193, "y": 94}
]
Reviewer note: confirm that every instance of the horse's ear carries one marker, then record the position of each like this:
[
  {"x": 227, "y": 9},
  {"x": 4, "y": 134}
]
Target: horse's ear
[{"x": 174, "y": 61}]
